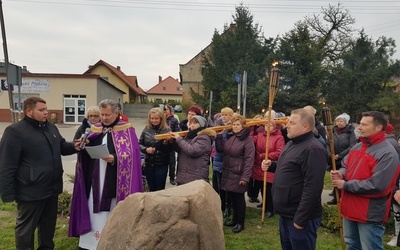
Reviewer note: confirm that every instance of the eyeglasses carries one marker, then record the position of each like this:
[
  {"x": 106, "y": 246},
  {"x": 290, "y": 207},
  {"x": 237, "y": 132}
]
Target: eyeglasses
[{"x": 93, "y": 116}]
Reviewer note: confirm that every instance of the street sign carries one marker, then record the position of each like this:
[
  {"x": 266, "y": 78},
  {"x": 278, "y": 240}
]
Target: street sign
[{"x": 14, "y": 74}]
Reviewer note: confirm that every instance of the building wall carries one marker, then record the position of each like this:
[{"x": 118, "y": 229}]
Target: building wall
[
  {"x": 105, "y": 72},
  {"x": 105, "y": 91},
  {"x": 164, "y": 98},
  {"x": 95, "y": 90},
  {"x": 191, "y": 75}
]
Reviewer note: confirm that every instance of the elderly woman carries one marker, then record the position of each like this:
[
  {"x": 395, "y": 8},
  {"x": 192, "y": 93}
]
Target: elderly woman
[
  {"x": 156, "y": 153},
  {"x": 194, "y": 151},
  {"x": 238, "y": 149},
  {"x": 344, "y": 139},
  {"x": 92, "y": 117}
]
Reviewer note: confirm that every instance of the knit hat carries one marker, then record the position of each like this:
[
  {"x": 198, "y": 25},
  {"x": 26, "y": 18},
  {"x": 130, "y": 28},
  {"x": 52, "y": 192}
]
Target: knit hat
[
  {"x": 345, "y": 117},
  {"x": 201, "y": 120},
  {"x": 169, "y": 107},
  {"x": 273, "y": 114},
  {"x": 389, "y": 129}
]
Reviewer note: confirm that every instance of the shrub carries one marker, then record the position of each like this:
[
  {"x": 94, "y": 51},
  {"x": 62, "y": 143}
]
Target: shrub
[
  {"x": 64, "y": 203},
  {"x": 71, "y": 178},
  {"x": 330, "y": 218}
]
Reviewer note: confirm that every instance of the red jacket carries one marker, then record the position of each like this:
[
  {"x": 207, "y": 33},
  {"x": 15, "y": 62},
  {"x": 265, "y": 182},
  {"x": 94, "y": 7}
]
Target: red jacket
[
  {"x": 370, "y": 171},
  {"x": 276, "y": 145},
  {"x": 123, "y": 117}
]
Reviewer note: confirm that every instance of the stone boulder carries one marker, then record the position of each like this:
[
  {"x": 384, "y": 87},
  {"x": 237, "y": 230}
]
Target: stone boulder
[{"x": 183, "y": 217}]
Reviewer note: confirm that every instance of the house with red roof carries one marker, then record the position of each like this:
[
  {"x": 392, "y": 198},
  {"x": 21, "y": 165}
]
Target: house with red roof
[
  {"x": 168, "y": 90},
  {"x": 114, "y": 75}
]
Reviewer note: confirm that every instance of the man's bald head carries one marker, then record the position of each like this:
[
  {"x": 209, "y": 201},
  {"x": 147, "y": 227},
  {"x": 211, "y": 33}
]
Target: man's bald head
[{"x": 310, "y": 109}]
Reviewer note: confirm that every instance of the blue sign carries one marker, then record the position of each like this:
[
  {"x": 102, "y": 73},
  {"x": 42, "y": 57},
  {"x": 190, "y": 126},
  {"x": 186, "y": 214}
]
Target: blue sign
[{"x": 238, "y": 77}]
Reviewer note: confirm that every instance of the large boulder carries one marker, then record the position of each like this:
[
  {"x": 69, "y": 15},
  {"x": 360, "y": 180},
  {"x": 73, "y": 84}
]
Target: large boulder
[{"x": 183, "y": 217}]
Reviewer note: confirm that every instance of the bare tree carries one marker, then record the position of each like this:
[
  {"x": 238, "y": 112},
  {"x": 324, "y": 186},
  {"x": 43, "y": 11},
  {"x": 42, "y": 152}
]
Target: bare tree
[{"x": 332, "y": 29}]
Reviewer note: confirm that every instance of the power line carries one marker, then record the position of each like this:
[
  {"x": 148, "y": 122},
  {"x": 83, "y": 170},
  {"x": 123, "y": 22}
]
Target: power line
[
  {"x": 365, "y": 9},
  {"x": 206, "y": 6}
]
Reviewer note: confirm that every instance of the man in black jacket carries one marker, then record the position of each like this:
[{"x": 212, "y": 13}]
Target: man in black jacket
[
  {"x": 298, "y": 184},
  {"x": 31, "y": 173}
]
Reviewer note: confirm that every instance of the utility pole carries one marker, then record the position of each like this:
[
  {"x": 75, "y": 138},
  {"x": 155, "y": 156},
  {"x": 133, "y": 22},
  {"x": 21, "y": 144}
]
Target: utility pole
[
  {"x": 238, "y": 79},
  {"x": 244, "y": 92},
  {"x": 6, "y": 61},
  {"x": 211, "y": 98}
]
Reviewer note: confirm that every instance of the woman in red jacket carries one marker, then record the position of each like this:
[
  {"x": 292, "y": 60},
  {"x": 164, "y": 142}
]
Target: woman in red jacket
[{"x": 276, "y": 145}]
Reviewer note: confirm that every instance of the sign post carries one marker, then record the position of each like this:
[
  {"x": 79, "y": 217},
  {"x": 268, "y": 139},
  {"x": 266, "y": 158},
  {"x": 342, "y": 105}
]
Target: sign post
[{"x": 14, "y": 77}]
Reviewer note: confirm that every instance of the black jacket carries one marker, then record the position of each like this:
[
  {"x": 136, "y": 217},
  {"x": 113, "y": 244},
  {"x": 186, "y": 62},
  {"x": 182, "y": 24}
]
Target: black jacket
[
  {"x": 343, "y": 142},
  {"x": 81, "y": 130},
  {"x": 173, "y": 123},
  {"x": 30, "y": 165},
  {"x": 320, "y": 129},
  {"x": 161, "y": 156},
  {"x": 299, "y": 179},
  {"x": 183, "y": 125}
]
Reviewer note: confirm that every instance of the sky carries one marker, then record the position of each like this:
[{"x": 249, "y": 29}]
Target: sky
[{"x": 150, "y": 38}]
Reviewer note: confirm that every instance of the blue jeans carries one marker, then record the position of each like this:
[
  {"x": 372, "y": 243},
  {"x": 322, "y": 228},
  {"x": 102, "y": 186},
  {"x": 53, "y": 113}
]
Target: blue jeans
[
  {"x": 156, "y": 177},
  {"x": 301, "y": 239},
  {"x": 359, "y": 235}
]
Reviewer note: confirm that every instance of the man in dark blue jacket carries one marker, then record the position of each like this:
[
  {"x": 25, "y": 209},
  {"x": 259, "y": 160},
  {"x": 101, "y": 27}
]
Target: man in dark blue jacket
[
  {"x": 31, "y": 173},
  {"x": 298, "y": 184}
]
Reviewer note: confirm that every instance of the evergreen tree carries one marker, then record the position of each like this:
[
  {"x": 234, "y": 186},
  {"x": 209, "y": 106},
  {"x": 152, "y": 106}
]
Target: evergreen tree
[
  {"x": 363, "y": 81},
  {"x": 240, "y": 47}
]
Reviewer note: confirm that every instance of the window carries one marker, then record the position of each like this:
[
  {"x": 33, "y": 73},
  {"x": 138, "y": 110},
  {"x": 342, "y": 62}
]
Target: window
[
  {"x": 74, "y": 108},
  {"x": 164, "y": 88}
]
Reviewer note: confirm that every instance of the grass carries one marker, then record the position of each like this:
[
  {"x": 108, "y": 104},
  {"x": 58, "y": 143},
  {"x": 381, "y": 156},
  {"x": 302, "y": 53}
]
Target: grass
[
  {"x": 8, "y": 212},
  {"x": 255, "y": 235},
  {"x": 327, "y": 182}
]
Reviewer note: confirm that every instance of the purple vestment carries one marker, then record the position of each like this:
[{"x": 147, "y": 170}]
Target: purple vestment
[{"x": 129, "y": 177}]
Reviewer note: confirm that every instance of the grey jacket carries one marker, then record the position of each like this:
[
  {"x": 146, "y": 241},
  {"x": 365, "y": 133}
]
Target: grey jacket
[{"x": 194, "y": 156}]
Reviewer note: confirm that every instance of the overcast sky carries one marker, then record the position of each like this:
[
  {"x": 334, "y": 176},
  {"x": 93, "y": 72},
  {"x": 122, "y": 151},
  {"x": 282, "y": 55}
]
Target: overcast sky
[{"x": 149, "y": 38}]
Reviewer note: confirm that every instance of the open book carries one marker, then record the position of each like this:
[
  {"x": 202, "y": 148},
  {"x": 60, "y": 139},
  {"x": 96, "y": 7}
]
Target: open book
[{"x": 97, "y": 152}]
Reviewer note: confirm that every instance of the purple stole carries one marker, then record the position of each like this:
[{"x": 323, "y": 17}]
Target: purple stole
[{"x": 129, "y": 177}]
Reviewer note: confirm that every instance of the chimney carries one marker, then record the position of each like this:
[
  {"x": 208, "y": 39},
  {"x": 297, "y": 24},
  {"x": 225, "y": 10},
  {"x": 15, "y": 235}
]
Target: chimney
[
  {"x": 159, "y": 79},
  {"x": 119, "y": 68},
  {"x": 232, "y": 27}
]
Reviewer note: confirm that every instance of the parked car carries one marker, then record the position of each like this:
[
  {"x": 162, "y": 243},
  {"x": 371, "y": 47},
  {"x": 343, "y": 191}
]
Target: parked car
[{"x": 178, "y": 108}]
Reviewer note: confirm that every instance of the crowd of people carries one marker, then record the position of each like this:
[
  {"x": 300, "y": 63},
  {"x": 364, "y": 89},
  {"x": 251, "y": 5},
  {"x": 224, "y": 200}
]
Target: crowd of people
[{"x": 289, "y": 160}]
